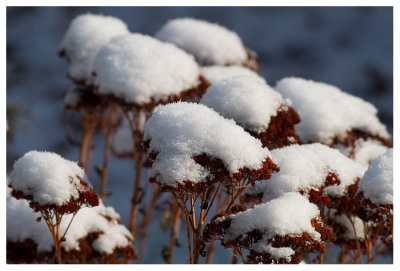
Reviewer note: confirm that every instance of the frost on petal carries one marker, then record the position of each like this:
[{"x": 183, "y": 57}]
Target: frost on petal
[
  {"x": 328, "y": 114},
  {"x": 210, "y": 43},
  {"x": 255, "y": 106},
  {"x": 48, "y": 179},
  {"x": 140, "y": 69},
  {"x": 377, "y": 183},
  {"x": 85, "y": 36},
  {"x": 192, "y": 143}
]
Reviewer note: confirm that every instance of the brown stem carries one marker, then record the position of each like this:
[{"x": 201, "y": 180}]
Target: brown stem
[
  {"x": 176, "y": 222},
  {"x": 212, "y": 200},
  {"x": 89, "y": 124},
  {"x": 210, "y": 252},
  {"x": 112, "y": 125},
  {"x": 343, "y": 254},
  {"x": 241, "y": 189},
  {"x": 136, "y": 134},
  {"x": 360, "y": 254},
  {"x": 235, "y": 253},
  {"x": 146, "y": 219},
  {"x": 322, "y": 257},
  {"x": 188, "y": 235},
  {"x": 197, "y": 233}
]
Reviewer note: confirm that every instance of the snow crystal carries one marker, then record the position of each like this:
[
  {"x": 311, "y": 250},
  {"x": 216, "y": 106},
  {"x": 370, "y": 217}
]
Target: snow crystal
[
  {"x": 303, "y": 167},
  {"x": 326, "y": 111},
  {"x": 248, "y": 101},
  {"x": 85, "y": 36},
  {"x": 213, "y": 74},
  {"x": 179, "y": 131},
  {"x": 377, "y": 183},
  {"x": 138, "y": 68},
  {"x": 22, "y": 225},
  {"x": 290, "y": 214},
  {"x": 48, "y": 177},
  {"x": 210, "y": 43}
]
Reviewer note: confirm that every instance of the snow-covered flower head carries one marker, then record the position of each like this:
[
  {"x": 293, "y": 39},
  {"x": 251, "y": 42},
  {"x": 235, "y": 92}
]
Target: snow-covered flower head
[
  {"x": 85, "y": 36},
  {"x": 49, "y": 181},
  {"x": 194, "y": 145}
]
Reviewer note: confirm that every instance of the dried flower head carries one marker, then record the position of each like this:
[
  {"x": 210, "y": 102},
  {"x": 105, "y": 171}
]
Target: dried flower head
[
  {"x": 193, "y": 146},
  {"x": 278, "y": 231}
]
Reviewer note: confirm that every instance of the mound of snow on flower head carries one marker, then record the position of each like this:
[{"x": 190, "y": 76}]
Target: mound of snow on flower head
[
  {"x": 213, "y": 74},
  {"x": 85, "y": 36},
  {"x": 210, "y": 43},
  {"x": 377, "y": 183},
  {"x": 47, "y": 177},
  {"x": 139, "y": 69},
  {"x": 326, "y": 111},
  {"x": 245, "y": 99},
  {"x": 179, "y": 131},
  {"x": 303, "y": 167}
]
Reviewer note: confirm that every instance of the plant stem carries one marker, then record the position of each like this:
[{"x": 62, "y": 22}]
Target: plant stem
[
  {"x": 89, "y": 124},
  {"x": 112, "y": 125},
  {"x": 176, "y": 222},
  {"x": 136, "y": 134},
  {"x": 144, "y": 224}
]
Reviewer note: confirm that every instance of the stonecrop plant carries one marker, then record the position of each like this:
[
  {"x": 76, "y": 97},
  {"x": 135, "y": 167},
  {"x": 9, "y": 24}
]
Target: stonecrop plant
[{"x": 291, "y": 173}]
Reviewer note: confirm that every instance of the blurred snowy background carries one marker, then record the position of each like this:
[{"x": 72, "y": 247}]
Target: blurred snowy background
[{"x": 351, "y": 48}]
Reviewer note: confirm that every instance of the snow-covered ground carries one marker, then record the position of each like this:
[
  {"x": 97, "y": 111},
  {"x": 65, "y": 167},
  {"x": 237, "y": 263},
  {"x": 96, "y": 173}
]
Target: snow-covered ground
[{"x": 351, "y": 48}]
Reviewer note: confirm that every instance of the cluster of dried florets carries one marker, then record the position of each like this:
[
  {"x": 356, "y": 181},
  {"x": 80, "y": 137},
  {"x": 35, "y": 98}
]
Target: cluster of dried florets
[{"x": 279, "y": 231}]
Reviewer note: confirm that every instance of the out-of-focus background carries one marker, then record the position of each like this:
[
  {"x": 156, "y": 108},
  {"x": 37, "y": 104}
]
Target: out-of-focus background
[{"x": 350, "y": 47}]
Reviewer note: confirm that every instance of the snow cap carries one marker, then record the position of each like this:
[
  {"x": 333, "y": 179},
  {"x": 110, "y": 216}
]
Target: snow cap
[
  {"x": 303, "y": 167},
  {"x": 179, "y": 131},
  {"x": 377, "y": 183},
  {"x": 86, "y": 34},
  {"x": 290, "y": 214},
  {"x": 209, "y": 43},
  {"x": 213, "y": 74},
  {"x": 245, "y": 99},
  {"x": 47, "y": 177},
  {"x": 139, "y": 68},
  {"x": 326, "y": 111}
]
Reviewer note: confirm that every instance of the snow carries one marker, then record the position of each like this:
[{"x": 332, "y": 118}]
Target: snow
[
  {"x": 377, "y": 183},
  {"x": 86, "y": 34},
  {"x": 248, "y": 101},
  {"x": 210, "y": 43},
  {"x": 276, "y": 252},
  {"x": 179, "y": 131},
  {"x": 138, "y": 68},
  {"x": 22, "y": 225},
  {"x": 47, "y": 177},
  {"x": 303, "y": 167},
  {"x": 351, "y": 233},
  {"x": 326, "y": 111},
  {"x": 365, "y": 150},
  {"x": 290, "y": 214},
  {"x": 213, "y": 74}
]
